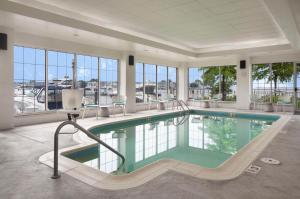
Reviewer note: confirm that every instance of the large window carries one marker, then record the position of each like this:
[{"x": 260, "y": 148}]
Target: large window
[
  {"x": 87, "y": 77},
  {"x": 33, "y": 93},
  {"x": 139, "y": 82},
  {"x": 213, "y": 82},
  {"x": 272, "y": 80},
  {"x": 108, "y": 80},
  {"x": 162, "y": 82},
  {"x": 155, "y": 82},
  {"x": 172, "y": 82},
  {"x": 29, "y": 79},
  {"x": 60, "y": 76},
  {"x": 150, "y": 82}
]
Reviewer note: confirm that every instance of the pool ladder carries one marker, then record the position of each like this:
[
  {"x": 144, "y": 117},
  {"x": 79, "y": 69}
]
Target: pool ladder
[
  {"x": 185, "y": 110},
  {"x": 88, "y": 133}
]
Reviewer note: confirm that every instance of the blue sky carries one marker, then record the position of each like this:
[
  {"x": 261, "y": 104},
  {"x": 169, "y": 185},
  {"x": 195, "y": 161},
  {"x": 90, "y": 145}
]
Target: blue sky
[{"x": 32, "y": 61}]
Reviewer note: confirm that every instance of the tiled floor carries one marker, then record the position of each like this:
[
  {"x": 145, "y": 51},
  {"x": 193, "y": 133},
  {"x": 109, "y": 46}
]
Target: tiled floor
[{"x": 22, "y": 176}]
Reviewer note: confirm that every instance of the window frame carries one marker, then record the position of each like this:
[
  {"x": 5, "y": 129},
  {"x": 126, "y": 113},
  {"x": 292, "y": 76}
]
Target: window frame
[
  {"x": 74, "y": 70},
  {"x": 156, "y": 82}
]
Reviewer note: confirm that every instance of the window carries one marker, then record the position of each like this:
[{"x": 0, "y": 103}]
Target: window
[
  {"x": 213, "y": 82},
  {"x": 29, "y": 80},
  {"x": 196, "y": 86},
  {"x": 108, "y": 80},
  {"x": 269, "y": 81},
  {"x": 228, "y": 83},
  {"x": 150, "y": 82},
  {"x": 155, "y": 82},
  {"x": 60, "y": 76},
  {"x": 139, "y": 82},
  {"x": 34, "y": 94},
  {"x": 162, "y": 82},
  {"x": 87, "y": 77},
  {"x": 172, "y": 82}
]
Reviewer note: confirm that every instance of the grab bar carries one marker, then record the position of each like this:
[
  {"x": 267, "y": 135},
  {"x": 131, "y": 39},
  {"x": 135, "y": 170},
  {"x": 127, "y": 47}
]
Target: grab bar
[
  {"x": 182, "y": 102},
  {"x": 89, "y": 134}
]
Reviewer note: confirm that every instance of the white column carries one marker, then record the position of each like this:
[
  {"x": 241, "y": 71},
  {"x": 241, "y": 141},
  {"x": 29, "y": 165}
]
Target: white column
[
  {"x": 182, "y": 82},
  {"x": 243, "y": 90},
  {"x": 6, "y": 81},
  {"x": 127, "y": 83}
]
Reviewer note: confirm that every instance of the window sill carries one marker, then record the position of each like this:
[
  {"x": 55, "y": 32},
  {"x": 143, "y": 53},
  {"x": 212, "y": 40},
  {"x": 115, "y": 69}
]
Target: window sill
[{"x": 35, "y": 113}]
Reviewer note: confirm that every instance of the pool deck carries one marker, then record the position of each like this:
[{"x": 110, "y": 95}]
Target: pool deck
[{"x": 23, "y": 176}]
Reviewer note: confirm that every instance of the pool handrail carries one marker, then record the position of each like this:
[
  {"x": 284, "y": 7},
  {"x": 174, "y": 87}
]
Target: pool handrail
[
  {"x": 89, "y": 134},
  {"x": 182, "y": 102}
]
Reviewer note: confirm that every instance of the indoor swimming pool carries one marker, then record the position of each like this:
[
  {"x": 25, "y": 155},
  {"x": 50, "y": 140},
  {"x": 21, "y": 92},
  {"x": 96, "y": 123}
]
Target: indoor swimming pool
[{"x": 197, "y": 137}]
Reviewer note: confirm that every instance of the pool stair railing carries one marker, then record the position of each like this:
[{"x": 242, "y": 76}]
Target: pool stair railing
[{"x": 89, "y": 134}]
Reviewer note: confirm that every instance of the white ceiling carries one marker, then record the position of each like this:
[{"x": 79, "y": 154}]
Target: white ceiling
[{"x": 193, "y": 24}]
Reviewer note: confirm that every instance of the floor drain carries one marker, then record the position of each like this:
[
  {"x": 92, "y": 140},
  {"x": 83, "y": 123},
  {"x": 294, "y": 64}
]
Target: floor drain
[
  {"x": 253, "y": 169},
  {"x": 270, "y": 161}
]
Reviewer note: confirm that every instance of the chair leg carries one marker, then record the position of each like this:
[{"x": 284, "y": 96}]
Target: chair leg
[
  {"x": 97, "y": 113},
  {"x": 83, "y": 114}
]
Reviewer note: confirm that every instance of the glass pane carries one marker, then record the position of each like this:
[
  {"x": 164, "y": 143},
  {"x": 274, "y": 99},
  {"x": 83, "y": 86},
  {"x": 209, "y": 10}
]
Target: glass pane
[
  {"x": 139, "y": 83},
  {"x": 88, "y": 78},
  {"x": 172, "y": 82},
  {"x": 108, "y": 80},
  {"x": 228, "y": 83},
  {"x": 60, "y": 77},
  {"x": 162, "y": 80},
  {"x": 29, "y": 80},
  {"x": 150, "y": 82}
]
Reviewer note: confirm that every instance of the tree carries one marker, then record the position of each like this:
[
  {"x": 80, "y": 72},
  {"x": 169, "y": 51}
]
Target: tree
[
  {"x": 281, "y": 72},
  {"x": 220, "y": 79}
]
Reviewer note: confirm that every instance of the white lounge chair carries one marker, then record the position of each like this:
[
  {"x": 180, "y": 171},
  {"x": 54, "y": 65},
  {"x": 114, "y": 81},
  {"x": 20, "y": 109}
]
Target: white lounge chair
[
  {"x": 120, "y": 101},
  {"x": 283, "y": 100},
  {"x": 88, "y": 104}
]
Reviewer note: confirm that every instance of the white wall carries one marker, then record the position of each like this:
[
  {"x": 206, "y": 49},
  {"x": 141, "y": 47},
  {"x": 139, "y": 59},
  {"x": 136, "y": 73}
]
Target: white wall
[{"x": 6, "y": 82}]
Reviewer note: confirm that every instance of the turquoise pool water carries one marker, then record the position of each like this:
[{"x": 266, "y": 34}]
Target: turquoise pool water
[{"x": 201, "y": 137}]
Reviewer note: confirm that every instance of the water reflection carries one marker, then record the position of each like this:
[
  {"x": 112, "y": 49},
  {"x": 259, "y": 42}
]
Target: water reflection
[{"x": 204, "y": 140}]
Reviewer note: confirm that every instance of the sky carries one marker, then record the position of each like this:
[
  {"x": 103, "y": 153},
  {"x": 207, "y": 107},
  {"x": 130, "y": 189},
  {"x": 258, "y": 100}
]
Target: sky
[{"x": 60, "y": 65}]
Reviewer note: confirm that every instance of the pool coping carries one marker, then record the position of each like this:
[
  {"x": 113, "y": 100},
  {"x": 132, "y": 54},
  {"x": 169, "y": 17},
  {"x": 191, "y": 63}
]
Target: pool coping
[{"x": 229, "y": 169}]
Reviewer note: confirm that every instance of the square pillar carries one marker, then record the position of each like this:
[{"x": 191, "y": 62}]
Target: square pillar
[
  {"x": 6, "y": 81},
  {"x": 182, "y": 82},
  {"x": 243, "y": 90},
  {"x": 127, "y": 83}
]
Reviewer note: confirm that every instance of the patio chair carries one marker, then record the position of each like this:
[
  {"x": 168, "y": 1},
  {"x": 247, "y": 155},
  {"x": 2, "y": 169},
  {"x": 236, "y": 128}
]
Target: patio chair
[
  {"x": 120, "y": 101},
  {"x": 216, "y": 98},
  {"x": 88, "y": 104},
  {"x": 283, "y": 100},
  {"x": 152, "y": 101}
]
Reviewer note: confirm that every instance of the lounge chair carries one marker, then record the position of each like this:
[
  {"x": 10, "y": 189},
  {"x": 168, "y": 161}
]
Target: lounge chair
[
  {"x": 120, "y": 101},
  {"x": 89, "y": 104},
  {"x": 283, "y": 100}
]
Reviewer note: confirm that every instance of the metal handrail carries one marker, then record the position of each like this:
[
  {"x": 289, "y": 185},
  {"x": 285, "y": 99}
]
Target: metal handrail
[
  {"x": 89, "y": 134},
  {"x": 181, "y": 101}
]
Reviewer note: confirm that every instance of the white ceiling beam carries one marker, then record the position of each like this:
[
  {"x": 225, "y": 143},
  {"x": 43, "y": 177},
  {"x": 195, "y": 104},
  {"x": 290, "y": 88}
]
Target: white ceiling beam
[{"x": 282, "y": 15}]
